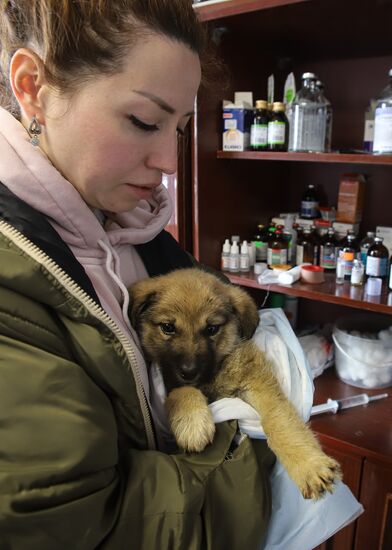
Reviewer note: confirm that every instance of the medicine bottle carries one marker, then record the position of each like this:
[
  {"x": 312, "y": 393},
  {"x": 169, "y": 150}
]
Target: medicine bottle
[
  {"x": 357, "y": 273},
  {"x": 328, "y": 251},
  {"x": 377, "y": 259},
  {"x": 234, "y": 261},
  {"x": 365, "y": 244},
  {"x": 225, "y": 257},
  {"x": 306, "y": 248},
  {"x": 259, "y": 127},
  {"x": 244, "y": 257},
  {"x": 278, "y": 128},
  {"x": 309, "y": 203},
  {"x": 260, "y": 241},
  {"x": 277, "y": 249},
  {"x": 390, "y": 274}
]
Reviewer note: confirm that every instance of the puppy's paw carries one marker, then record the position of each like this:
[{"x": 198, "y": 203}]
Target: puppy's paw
[
  {"x": 317, "y": 474},
  {"x": 190, "y": 419}
]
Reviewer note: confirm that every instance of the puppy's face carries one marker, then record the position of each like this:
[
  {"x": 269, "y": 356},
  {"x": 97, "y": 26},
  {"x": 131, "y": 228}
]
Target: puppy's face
[{"x": 188, "y": 322}]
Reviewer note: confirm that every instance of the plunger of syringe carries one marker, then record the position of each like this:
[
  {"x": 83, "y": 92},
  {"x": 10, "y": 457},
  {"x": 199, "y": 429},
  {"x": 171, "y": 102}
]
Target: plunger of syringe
[{"x": 335, "y": 405}]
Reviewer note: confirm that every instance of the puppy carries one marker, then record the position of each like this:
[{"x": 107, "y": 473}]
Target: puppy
[{"x": 198, "y": 330}]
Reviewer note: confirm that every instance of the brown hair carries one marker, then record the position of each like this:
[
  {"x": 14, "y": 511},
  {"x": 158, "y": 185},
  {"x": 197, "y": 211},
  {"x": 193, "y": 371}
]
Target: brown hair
[{"x": 77, "y": 39}]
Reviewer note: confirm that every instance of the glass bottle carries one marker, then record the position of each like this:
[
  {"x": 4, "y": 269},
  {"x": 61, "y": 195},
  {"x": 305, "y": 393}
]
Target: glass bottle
[
  {"x": 377, "y": 259},
  {"x": 351, "y": 241},
  {"x": 277, "y": 249},
  {"x": 309, "y": 203},
  {"x": 309, "y": 118},
  {"x": 305, "y": 248},
  {"x": 382, "y": 144},
  {"x": 259, "y": 127},
  {"x": 225, "y": 257},
  {"x": 390, "y": 275},
  {"x": 328, "y": 251},
  {"x": 325, "y": 102},
  {"x": 368, "y": 132},
  {"x": 357, "y": 273},
  {"x": 365, "y": 244},
  {"x": 278, "y": 126},
  {"x": 340, "y": 268},
  {"x": 260, "y": 241}
]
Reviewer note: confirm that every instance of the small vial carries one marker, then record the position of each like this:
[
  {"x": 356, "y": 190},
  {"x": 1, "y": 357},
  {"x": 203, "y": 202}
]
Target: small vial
[
  {"x": 234, "y": 261},
  {"x": 244, "y": 257},
  {"x": 340, "y": 263},
  {"x": 225, "y": 257},
  {"x": 357, "y": 273}
]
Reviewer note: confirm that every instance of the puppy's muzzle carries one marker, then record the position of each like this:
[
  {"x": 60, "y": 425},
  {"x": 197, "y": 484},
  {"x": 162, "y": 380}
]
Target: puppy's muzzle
[{"x": 188, "y": 373}]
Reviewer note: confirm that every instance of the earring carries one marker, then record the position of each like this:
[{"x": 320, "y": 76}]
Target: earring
[{"x": 34, "y": 131}]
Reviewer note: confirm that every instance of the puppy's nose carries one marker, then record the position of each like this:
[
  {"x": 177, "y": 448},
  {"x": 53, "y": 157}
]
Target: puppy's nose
[{"x": 188, "y": 372}]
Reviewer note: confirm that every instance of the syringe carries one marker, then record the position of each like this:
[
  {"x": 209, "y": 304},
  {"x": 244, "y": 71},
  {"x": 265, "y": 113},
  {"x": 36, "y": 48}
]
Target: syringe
[{"x": 335, "y": 405}]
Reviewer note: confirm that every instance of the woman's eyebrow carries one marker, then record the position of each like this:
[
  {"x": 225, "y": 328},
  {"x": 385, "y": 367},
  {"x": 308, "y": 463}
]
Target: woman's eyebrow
[{"x": 160, "y": 102}]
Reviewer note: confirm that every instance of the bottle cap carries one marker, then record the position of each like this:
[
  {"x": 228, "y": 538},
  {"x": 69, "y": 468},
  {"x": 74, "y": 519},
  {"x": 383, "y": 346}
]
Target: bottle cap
[
  {"x": 278, "y": 107},
  {"x": 244, "y": 248},
  {"x": 226, "y": 246},
  {"x": 309, "y": 75},
  {"x": 261, "y": 104},
  {"x": 373, "y": 286},
  {"x": 234, "y": 248}
]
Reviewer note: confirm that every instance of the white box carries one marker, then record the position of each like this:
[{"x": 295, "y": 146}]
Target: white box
[
  {"x": 237, "y": 119},
  {"x": 341, "y": 228}
]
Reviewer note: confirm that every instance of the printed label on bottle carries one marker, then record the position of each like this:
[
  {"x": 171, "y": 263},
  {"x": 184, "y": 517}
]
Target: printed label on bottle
[
  {"x": 276, "y": 133},
  {"x": 327, "y": 257},
  {"x": 383, "y": 130},
  {"x": 376, "y": 267},
  {"x": 369, "y": 131},
  {"x": 277, "y": 256},
  {"x": 226, "y": 262},
  {"x": 259, "y": 135},
  {"x": 300, "y": 254},
  {"x": 234, "y": 262},
  {"x": 357, "y": 275},
  {"x": 309, "y": 209},
  {"x": 261, "y": 251}
]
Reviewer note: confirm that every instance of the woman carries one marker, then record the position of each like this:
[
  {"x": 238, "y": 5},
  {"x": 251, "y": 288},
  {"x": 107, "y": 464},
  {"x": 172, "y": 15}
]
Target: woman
[{"x": 96, "y": 93}]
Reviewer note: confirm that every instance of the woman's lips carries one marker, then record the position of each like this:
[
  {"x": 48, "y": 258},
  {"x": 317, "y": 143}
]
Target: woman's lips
[{"x": 142, "y": 191}]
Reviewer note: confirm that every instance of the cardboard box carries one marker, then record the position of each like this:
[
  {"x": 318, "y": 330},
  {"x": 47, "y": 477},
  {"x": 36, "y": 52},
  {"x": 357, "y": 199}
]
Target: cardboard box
[
  {"x": 386, "y": 233},
  {"x": 237, "y": 120},
  {"x": 350, "y": 198},
  {"x": 341, "y": 228}
]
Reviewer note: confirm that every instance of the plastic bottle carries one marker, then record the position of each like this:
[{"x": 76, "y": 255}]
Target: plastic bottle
[
  {"x": 325, "y": 102},
  {"x": 328, "y": 251},
  {"x": 309, "y": 203},
  {"x": 278, "y": 136},
  {"x": 225, "y": 257},
  {"x": 377, "y": 259},
  {"x": 259, "y": 127},
  {"x": 309, "y": 118},
  {"x": 234, "y": 264},
  {"x": 244, "y": 257},
  {"x": 382, "y": 144},
  {"x": 357, "y": 273},
  {"x": 340, "y": 268},
  {"x": 365, "y": 244}
]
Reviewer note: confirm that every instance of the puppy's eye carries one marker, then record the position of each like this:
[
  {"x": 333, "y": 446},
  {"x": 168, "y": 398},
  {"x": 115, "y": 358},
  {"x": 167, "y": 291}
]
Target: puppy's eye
[
  {"x": 168, "y": 328},
  {"x": 211, "y": 330}
]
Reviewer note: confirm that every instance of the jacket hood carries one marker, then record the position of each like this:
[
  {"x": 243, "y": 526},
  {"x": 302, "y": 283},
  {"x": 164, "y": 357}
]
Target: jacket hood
[{"x": 27, "y": 172}]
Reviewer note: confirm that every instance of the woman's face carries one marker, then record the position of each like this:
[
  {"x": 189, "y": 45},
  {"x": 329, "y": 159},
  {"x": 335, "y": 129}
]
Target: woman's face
[{"x": 118, "y": 134}]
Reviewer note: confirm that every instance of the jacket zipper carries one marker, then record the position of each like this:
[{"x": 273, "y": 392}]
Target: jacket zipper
[{"x": 92, "y": 307}]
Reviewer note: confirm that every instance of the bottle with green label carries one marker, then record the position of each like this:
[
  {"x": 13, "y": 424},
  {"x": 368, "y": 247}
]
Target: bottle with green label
[
  {"x": 259, "y": 127},
  {"x": 278, "y": 128}
]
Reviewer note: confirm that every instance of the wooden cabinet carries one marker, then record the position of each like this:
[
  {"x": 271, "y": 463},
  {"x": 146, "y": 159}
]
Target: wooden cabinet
[{"x": 348, "y": 45}]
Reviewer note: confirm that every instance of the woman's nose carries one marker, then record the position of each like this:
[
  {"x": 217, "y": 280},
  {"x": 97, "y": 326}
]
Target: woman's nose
[{"x": 164, "y": 156}]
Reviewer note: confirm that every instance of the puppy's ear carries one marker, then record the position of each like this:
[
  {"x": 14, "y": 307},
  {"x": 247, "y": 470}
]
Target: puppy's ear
[
  {"x": 141, "y": 297},
  {"x": 246, "y": 311}
]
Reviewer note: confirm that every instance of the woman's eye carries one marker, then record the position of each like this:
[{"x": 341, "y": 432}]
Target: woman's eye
[
  {"x": 168, "y": 328},
  {"x": 211, "y": 330},
  {"x": 143, "y": 125}
]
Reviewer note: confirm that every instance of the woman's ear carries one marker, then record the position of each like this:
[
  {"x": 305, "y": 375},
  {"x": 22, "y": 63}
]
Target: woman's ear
[
  {"x": 246, "y": 310},
  {"x": 27, "y": 77}
]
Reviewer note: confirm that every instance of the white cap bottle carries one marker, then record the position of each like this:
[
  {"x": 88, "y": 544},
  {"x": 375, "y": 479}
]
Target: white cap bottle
[
  {"x": 244, "y": 257},
  {"x": 225, "y": 258},
  {"x": 234, "y": 263}
]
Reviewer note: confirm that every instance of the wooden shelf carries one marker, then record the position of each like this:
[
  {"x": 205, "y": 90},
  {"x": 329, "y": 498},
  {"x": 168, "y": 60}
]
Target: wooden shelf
[
  {"x": 360, "y": 430},
  {"x": 216, "y": 10},
  {"x": 329, "y": 291},
  {"x": 335, "y": 158}
]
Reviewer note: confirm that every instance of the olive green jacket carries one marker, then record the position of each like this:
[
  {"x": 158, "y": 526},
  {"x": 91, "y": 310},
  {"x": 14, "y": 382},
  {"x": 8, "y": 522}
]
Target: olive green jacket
[{"x": 78, "y": 465}]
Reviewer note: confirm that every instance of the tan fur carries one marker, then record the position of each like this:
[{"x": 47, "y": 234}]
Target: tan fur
[{"x": 232, "y": 365}]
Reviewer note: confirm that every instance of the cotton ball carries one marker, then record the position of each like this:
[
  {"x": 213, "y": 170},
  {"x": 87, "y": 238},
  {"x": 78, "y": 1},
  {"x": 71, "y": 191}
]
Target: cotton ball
[
  {"x": 385, "y": 377},
  {"x": 371, "y": 381},
  {"x": 385, "y": 335}
]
